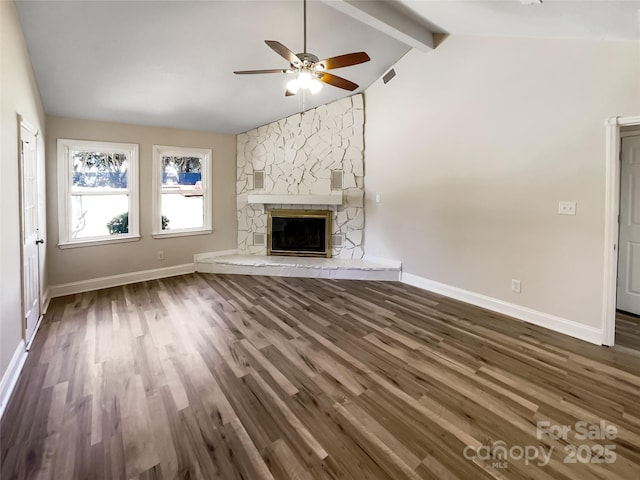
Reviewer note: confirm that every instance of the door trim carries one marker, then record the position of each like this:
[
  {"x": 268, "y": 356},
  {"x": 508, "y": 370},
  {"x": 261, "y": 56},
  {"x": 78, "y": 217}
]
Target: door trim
[
  {"x": 611, "y": 227},
  {"x": 22, "y": 123}
]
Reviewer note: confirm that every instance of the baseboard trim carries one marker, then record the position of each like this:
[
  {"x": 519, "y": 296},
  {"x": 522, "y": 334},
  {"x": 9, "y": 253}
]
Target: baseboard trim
[
  {"x": 10, "y": 377},
  {"x": 557, "y": 324},
  {"x": 46, "y": 299},
  {"x": 118, "y": 280},
  {"x": 35, "y": 332}
]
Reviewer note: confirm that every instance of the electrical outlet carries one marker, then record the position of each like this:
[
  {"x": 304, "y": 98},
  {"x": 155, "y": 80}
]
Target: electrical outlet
[
  {"x": 160, "y": 254},
  {"x": 567, "y": 208},
  {"x": 516, "y": 286}
]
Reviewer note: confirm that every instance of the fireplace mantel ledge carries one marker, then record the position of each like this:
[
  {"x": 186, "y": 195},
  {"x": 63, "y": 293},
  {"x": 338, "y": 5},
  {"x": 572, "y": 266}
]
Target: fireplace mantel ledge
[{"x": 333, "y": 198}]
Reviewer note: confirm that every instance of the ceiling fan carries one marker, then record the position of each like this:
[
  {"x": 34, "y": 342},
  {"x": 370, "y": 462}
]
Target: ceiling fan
[{"x": 308, "y": 70}]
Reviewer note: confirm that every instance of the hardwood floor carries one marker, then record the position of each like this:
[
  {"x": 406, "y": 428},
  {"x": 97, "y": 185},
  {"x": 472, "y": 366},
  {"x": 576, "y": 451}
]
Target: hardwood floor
[
  {"x": 232, "y": 377},
  {"x": 628, "y": 331}
]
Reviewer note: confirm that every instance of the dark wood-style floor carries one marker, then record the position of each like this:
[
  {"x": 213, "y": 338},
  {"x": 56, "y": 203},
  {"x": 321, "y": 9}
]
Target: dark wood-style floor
[
  {"x": 234, "y": 377},
  {"x": 628, "y": 330}
]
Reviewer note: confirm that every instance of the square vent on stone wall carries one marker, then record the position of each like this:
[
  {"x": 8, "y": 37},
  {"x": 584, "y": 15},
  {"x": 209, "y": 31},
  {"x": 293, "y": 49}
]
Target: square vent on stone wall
[
  {"x": 337, "y": 241},
  {"x": 258, "y": 180},
  {"x": 258, "y": 238},
  {"x": 337, "y": 177}
]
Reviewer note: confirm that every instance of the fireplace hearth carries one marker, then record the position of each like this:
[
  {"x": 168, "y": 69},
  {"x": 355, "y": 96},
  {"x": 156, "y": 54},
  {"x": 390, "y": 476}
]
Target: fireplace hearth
[{"x": 300, "y": 233}]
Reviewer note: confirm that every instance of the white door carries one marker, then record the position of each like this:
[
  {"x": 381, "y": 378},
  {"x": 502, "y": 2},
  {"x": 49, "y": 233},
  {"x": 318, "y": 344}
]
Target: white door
[
  {"x": 31, "y": 241},
  {"x": 629, "y": 251}
]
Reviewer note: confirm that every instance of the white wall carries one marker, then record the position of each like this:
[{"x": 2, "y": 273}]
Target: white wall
[
  {"x": 91, "y": 262},
  {"x": 471, "y": 147},
  {"x": 18, "y": 95}
]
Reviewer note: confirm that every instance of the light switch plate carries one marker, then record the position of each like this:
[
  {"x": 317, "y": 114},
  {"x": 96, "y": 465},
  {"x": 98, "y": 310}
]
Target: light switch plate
[{"x": 567, "y": 208}]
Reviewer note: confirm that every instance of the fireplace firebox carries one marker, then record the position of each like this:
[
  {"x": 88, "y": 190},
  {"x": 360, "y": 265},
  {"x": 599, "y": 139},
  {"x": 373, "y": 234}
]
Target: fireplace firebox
[{"x": 301, "y": 233}]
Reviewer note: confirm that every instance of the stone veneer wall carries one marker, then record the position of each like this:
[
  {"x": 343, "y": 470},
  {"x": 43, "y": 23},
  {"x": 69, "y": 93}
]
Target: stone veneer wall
[{"x": 297, "y": 155}]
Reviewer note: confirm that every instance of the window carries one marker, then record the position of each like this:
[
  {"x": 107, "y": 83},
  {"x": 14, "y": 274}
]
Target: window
[
  {"x": 97, "y": 192},
  {"x": 182, "y": 193}
]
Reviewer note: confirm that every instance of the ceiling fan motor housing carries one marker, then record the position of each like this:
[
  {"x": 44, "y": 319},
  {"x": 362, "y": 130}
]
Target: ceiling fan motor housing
[
  {"x": 307, "y": 58},
  {"x": 310, "y": 64}
]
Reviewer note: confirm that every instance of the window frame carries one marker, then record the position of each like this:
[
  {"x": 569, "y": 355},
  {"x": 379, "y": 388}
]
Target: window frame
[
  {"x": 206, "y": 161},
  {"x": 65, "y": 191}
]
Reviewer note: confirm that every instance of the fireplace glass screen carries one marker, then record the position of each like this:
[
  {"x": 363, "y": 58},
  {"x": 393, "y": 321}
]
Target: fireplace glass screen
[{"x": 301, "y": 233}]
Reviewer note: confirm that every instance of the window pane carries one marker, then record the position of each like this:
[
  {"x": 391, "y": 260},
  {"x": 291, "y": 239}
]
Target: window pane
[
  {"x": 181, "y": 171},
  {"x": 182, "y": 211},
  {"x": 90, "y": 215},
  {"x": 98, "y": 170},
  {"x": 182, "y": 203}
]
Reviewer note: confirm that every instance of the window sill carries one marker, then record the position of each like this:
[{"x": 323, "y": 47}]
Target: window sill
[
  {"x": 92, "y": 243},
  {"x": 182, "y": 233}
]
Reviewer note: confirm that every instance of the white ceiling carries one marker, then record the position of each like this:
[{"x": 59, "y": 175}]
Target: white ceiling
[
  {"x": 567, "y": 19},
  {"x": 170, "y": 63}
]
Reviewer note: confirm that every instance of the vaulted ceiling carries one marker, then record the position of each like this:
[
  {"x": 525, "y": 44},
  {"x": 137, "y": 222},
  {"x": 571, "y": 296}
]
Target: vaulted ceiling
[{"x": 170, "y": 63}]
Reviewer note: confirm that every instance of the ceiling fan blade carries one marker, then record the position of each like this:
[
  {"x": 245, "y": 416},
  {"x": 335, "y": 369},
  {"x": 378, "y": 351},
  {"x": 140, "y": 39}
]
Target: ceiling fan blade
[
  {"x": 345, "y": 60},
  {"x": 283, "y": 51},
  {"x": 252, "y": 72},
  {"x": 337, "y": 81}
]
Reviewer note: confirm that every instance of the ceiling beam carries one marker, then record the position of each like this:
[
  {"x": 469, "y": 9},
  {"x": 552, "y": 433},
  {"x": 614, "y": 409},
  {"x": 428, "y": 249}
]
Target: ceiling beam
[{"x": 387, "y": 17}]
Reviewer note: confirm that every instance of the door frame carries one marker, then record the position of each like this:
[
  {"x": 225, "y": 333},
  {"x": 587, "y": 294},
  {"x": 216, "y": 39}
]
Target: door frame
[
  {"x": 22, "y": 123},
  {"x": 611, "y": 227}
]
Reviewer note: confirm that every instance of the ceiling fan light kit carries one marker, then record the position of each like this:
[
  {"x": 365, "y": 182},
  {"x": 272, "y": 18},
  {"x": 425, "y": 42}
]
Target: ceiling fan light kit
[
  {"x": 305, "y": 81},
  {"x": 310, "y": 73}
]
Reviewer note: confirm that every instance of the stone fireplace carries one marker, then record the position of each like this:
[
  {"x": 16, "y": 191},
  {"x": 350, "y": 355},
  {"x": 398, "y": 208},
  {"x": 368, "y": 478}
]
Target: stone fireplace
[
  {"x": 311, "y": 161},
  {"x": 299, "y": 233}
]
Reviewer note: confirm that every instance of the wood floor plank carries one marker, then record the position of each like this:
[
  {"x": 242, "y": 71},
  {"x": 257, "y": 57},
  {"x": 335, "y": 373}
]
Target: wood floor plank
[
  {"x": 253, "y": 464},
  {"x": 281, "y": 410},
  {"x": 160, "y": 426},
  {"x": 236, "y": 377},
  {"x": 136, "y": 428},
  {"x": 628, "y": 331},
  {"x": 262, "y": 363},
  {"x": 283, "y": 463},
  {"x": 369, "y": 442}
]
